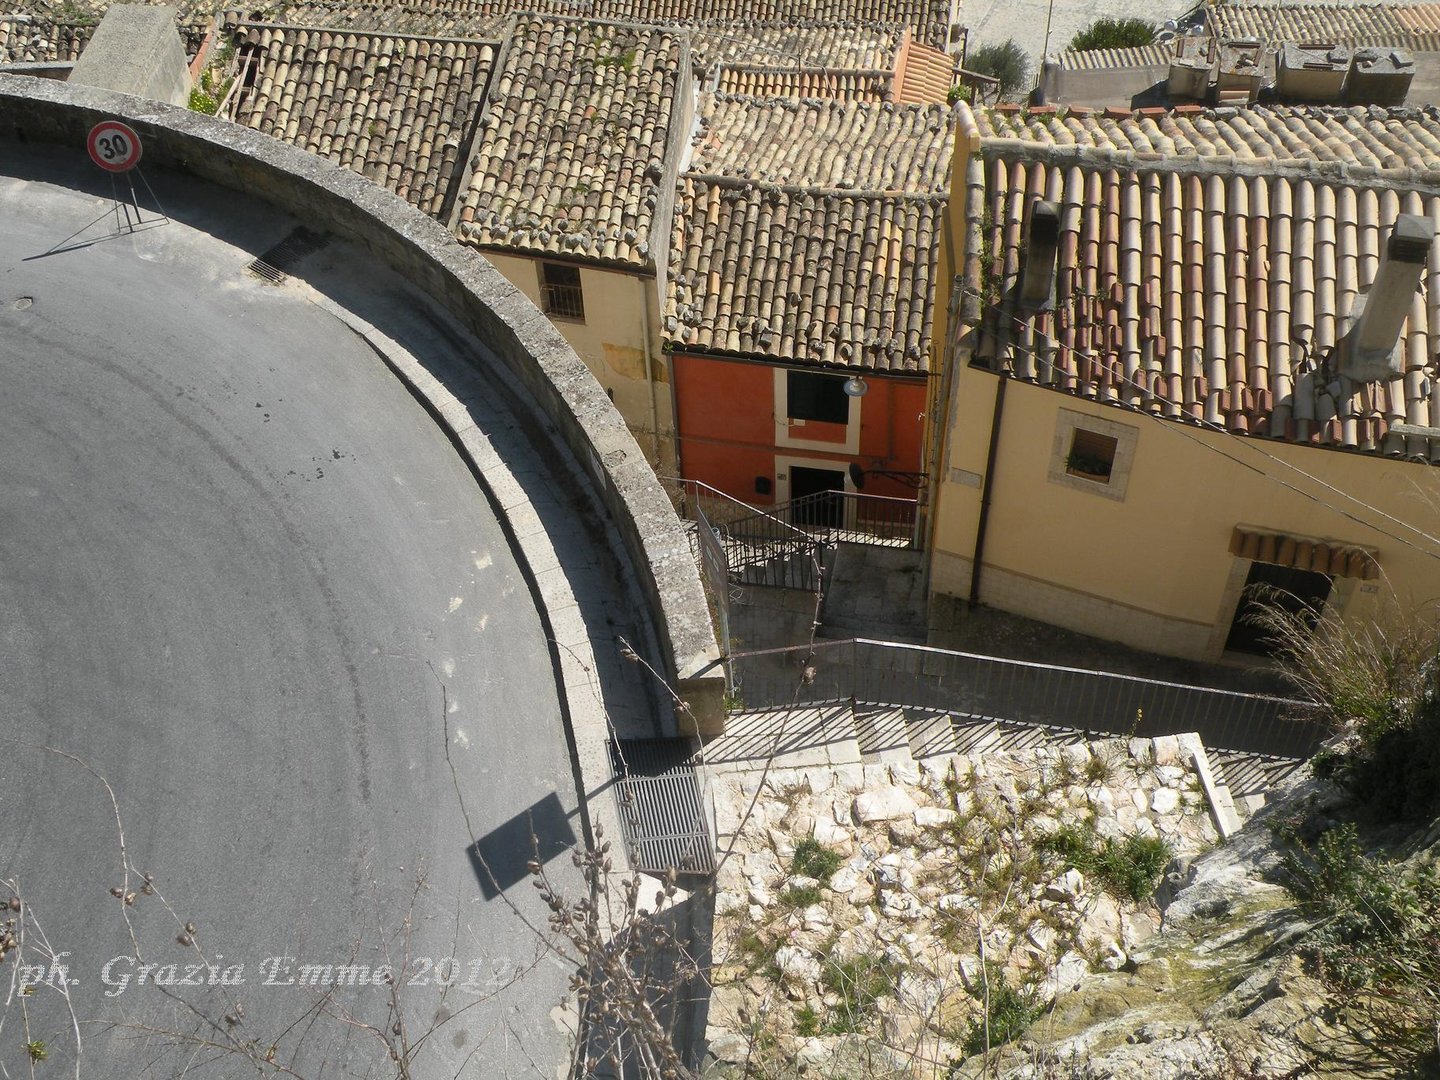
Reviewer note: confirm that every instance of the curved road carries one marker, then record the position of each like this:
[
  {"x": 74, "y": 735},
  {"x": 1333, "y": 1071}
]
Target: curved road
[{"x": 237, "y": 564}]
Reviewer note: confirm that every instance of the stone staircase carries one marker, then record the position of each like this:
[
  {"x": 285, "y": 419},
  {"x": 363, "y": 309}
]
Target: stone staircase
[
  {"x": 839, "y": 734},
  {"x": 875, "y": 592}
]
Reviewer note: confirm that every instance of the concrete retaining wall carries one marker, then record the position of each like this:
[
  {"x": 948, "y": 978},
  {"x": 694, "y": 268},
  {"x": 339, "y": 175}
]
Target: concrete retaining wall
[{"x": 569, "y": 407}]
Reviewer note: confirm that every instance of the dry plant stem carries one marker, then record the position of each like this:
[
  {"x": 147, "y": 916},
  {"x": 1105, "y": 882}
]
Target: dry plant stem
[
  {"x": 400, "y": 1044},
  {"x": 187, "y": 935}
]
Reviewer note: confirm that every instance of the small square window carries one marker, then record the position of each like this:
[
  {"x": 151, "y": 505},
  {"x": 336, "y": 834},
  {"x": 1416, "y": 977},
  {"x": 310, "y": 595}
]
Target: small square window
[
  {"x": 817, "y": 397},
  {"x": 1091, "y": 456},
  {"x": 560, "y": 291}
]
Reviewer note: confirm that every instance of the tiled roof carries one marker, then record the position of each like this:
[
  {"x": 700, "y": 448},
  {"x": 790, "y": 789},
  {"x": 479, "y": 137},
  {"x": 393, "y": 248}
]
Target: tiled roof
[
  {"x": 1207, "y": 294},
  {"x": 33, "y": 32},
  {"x": 803, "y": 84},
  {"x": 803, "y": 276},
  {"x": 1320, "y": 22},
  {"x": 850, "y": 46},
  {"x": 81, "y": 12},
  {"x": 427, "y": 18},
  {"x": 929, "y": 17},
  {"x": 28, "y": 38},
  {"x": 392, "y": 108},
  {"x": 825, "y": 144},
  {"x": 570, "y": 155},
  {"x": 808, "y": 232},
  {"x": 1422, "y": 18},
  {"x": 923, "y": 74},
  {"x": 1394, "y": 141},
  {"x": 1112, "y": 59}
]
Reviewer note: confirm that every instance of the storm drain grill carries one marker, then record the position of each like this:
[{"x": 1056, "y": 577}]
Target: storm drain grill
[
  {"x": 272, "y": 265},
  {"x": 661, "y": 807}
]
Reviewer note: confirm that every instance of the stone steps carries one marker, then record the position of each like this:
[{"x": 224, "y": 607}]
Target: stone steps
[{"x": 887, "y": 737}]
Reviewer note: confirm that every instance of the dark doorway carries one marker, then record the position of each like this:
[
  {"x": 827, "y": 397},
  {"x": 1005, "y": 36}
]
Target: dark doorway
[
  {"x": 1297, "y": 592},
  {"x": 817, "y": 507}
]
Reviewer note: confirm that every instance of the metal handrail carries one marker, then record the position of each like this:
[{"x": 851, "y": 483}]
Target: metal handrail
[
  {"x": 821, "y": 646},
  {"x": 1024, "y": 692},
  {"x": 759, "y": 548},
  {"x": 721, "y": 497}
]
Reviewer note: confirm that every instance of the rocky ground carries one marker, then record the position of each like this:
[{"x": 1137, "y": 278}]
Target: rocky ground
[{"x": 893, "y": 920}]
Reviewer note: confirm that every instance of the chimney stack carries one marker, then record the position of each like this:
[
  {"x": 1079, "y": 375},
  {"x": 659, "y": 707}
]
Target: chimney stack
[
  {"x": 1042, "y": 246},
  {"x": 1368, "y": 352}
]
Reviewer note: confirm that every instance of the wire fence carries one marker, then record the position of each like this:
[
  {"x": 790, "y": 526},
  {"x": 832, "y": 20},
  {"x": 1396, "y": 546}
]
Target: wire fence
[{"x": 1019, "y": 691}]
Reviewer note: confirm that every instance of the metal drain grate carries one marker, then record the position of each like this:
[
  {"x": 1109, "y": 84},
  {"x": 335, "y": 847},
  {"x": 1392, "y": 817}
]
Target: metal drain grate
[
  {"x": 271, "y": 265},
  {"x": 661, "y": 807}
]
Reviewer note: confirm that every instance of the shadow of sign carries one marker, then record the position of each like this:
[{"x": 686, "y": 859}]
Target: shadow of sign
[{"x": 540, "y": 831}]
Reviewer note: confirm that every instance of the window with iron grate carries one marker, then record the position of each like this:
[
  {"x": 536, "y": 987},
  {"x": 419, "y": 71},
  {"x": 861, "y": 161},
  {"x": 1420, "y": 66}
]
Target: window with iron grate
[{"x": 560, "y": 291}]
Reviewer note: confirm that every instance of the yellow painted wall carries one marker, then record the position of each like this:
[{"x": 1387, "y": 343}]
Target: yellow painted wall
[
  {"x": 618, "y": 338},
  {"x": 1154, "y": 570},
  {"x": 954, "y": 243}
]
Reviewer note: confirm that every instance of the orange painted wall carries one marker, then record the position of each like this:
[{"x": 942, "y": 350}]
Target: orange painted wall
[{"x": 726, "y": 428}]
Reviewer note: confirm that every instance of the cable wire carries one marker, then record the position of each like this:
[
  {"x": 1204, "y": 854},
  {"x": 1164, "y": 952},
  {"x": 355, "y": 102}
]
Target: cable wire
[{"x": 1180, "y": 428}]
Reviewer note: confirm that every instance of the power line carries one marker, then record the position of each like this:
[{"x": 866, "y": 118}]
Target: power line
[{"x": 1180, "y": 429}]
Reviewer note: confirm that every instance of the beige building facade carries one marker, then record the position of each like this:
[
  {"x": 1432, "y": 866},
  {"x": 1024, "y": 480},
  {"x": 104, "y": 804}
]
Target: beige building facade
[
  {"x": 1179, "y": 423},
  {"x": 613, "y": 323},
  {"x": 1145, "y": 557}
]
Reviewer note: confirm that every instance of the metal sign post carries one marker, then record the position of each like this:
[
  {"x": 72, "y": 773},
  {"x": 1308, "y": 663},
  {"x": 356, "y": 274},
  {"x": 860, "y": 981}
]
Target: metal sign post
[{"x": 116, "y": 148}]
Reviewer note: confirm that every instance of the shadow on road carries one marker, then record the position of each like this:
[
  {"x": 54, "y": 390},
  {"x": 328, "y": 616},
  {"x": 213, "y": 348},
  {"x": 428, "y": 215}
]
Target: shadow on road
[{"x": 500, "y": 858}]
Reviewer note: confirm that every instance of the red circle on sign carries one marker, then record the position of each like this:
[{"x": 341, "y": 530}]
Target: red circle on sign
[{"x": 114, "y": 146}]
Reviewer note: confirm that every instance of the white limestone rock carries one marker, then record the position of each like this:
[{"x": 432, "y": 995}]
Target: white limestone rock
[
  {"x": 1067, "y": 886},
  {"x": 1165, "y": 800},
  {"x": 888, "y": 803}
]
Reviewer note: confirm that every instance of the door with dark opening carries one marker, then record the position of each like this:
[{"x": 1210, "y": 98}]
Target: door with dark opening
[
  {"x": 824, "y": 509},
  {"x": 1297, "y": 592}
]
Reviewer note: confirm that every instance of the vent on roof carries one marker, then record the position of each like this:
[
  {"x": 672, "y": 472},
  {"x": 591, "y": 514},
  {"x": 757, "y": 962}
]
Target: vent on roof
[
  {"x": 1368, "y": 352},
  {"x": 1042, "y": 245},
  {"x": 273, "y": 264}
]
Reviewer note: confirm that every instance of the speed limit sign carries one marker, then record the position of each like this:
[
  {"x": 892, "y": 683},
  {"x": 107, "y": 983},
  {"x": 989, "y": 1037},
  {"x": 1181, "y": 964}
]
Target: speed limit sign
[{"x": 114, "y": 146}]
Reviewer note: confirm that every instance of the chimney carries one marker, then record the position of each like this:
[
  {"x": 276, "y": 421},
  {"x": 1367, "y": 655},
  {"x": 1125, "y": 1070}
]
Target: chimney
[
  {"x": 1037, "y": 283},
  {"x": 1368, "y": 351}
]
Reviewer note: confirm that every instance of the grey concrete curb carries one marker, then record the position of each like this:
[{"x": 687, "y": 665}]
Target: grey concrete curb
[{"x": 571, "y": 409}]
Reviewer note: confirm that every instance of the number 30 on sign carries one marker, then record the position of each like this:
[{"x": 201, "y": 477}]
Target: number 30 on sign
[{"x": 114, "y": 146}]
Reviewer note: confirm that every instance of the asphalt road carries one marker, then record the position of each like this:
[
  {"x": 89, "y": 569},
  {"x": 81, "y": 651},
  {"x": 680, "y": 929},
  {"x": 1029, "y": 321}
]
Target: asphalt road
[{"x": 237, "y": 565}]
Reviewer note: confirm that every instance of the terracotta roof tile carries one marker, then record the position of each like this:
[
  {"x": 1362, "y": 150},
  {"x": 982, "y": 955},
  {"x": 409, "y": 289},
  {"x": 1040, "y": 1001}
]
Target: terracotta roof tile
[
  {"x": 1200, "y": 292},
  {"x": 30, "y": 38},
  {"x": 803, "y": 276},
  {"x": 1393, "y": 141},
  {"x": 1110, "y": 59},
  {"x": 392, "y": 108},
  {"x": 32, "y": 32},
  {"x": 923, "y": 74},
  {"x": 428, "y": 18},
  {"x": 929, "y": 17},
  {"x": 1321, "y": 22},
  {"x": 808, "y": 233},
  {"x": 827, "y": 144},
  {"x": 847, "y": 45},
  {"x": 570, "y": 154},
  {"x": 803, "y": 84}
]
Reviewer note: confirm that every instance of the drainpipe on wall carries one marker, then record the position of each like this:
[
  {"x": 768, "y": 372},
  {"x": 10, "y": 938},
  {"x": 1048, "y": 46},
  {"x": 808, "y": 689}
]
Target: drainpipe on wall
[
  {"x": 985, "y": 493},
  {"x": 650, "y": 372}
]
